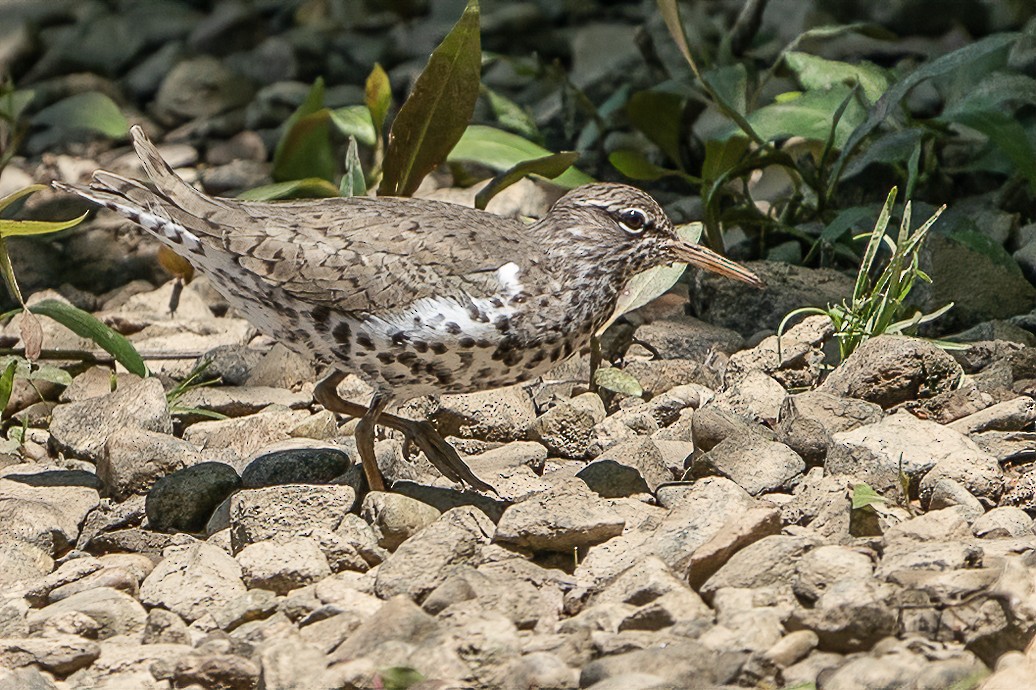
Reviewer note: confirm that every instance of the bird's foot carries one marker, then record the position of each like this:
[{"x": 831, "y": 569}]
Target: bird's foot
[{"x": 440, "y": 453}]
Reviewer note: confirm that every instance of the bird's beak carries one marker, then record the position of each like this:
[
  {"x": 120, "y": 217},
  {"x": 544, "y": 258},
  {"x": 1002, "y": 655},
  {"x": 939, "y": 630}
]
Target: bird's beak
[{"x": 703, "y": 257}]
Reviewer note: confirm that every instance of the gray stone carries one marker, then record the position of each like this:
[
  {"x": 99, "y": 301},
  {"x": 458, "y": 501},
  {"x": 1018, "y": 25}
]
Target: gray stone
[
  {"x": 185, "y": 500},
  {"x": 21, "y": 564},
  {"x": 1011, "y": 415},
  {"x": 225, "y": 671},
  {"x": 117, "y": 613},
  {"x": 259, "y": 514},
  {"x": 421, "y": 563},
  {"x": 133, "y": 459},
  {"x": 178, "y": 98},
  {"x": 59, "y": 654},
  {"x": 566, "y": 429},
  {"x": 395, "y": 518},
  {"x": 292, "y": 664},
  {"x": 892, "y": 369},
  {"x": 684, "y": 663},
  {"x": 397, "y": 619},
  {"x": 315, "y": 465},
  {"x": 685, "y": 337},
  {"x": 754, "y": 463},
  {"x": 825, "y": 565},
  {"x": 82, "y": 428},
  {"x": 570, "y": 516},
  {"x": 627, "y": 468},
  {"x": 794, "y": 359},
  {"x": 192, "y": 581},
  {"x": 282, "y": 565},
  {"x": 771, "y": 560},
  {"x": 165, "y": 627},
  {"x": 712, "y": 424},
  {"x": 1003, "y": 521}
]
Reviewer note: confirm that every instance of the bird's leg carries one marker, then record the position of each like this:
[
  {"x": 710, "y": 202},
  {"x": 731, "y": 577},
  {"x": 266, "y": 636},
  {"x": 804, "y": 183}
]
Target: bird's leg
[
  {"x": 440, "y": 453},
  {"x": 365, "y": 441}
]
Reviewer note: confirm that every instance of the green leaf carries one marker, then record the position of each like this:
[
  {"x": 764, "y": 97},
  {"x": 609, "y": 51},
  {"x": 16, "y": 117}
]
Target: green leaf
[
  {"x": 377, "y": 94},
  {"x": 549, "y": 167},
  {"x": 819, "y": 73},
  {"x": 618, "y": 381},
  {"x": 722, "y": 156},
  {"x": 434, "y": 117},
  {"x": 660, "y": 116},
  {"x": 7, "y": 383},
  {"x": 890, "y": 101},
  {"x": 1007, "y": 134},
  {"x": 635, "y": 165},
  {"x": 809, "y": 116},
  {"x": 50, "y": 374},
  {"x": 86, "y": 325},
  {"x": 399, "y": 677},
  {"x": 352, "y": 183},
  {"x": 501, "y": 151},
  {"x": 356, "y": 121},
  {"x": 511, "y": 115},
  {"x": 22, "y": 228},
  {"x": 730, "y": 83},
  {"x": 671, "y": 16},
  {"x": 306, "y": 188},
  {"x": 845, "y": 221},
  {"x": 7, "y": 271},
  {"x": 646, "y": 286},
  {"x": 890, "y": 148},
  {"x": 91, "y": 111},
  {"x": 304, "y": 149},
  {"x": 864, "y": 496}
]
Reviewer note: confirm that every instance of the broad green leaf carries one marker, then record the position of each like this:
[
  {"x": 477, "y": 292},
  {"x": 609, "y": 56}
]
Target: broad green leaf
[
  {"x": 21, "y": 228},
  {"x": 304, "y": 149},
  {"x": 356, "y": 121},
  {"x": 864, "y": 496},
  {"x": 86, "y": 325},
  {"x": 90, "y": 111},
  {"x": 7, "y": 383},
  {"x": 399, "y": 677},
  {"x": 352, "y": 183},
  {"x": 306, "y": 188},
  {"x": 377, "y": 94},
  {"x": 549, "y": 167},
  {"x": 844, "y": 222},
  {"x": 660, "y": 116},
  {"x": 730, "y": 83},
  {"x": 635, "y": 165},
  {"x": 434, "y": 117},
  {"x": 820, "y": 73},
  {"x": 671, "y": 16},
  {"x": 13, "y": 102},
  {"x": 1006, "y": 133},
  {"x": 49, "y": 373},
  {"x": 511, "y": 116},
  {"x": 618, "y": 381},
  {"x": 501, "y": 151},
  {"x": 808, "y": 116},
  {"x": 723, "y": 155},
  {"x": 7, "y": 271},
  {"x": 646, "y": 286},
  {"x": 1000, "y": 91},
  {"x": 890, "y": 101},
  {"x": 890, "y": 148}
]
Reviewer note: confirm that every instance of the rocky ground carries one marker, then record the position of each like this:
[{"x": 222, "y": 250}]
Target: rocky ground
[{"x": 716, "y": 532}]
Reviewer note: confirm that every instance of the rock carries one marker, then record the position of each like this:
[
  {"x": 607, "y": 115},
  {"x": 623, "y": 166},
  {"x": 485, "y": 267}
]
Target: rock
[
  {"x": 630, "y": 467},
  {"x": 290, "y": 664},
  {"x": 82, "y": 428},
  {"x": 60, "y": 654},
  {"x": 225, "y": 671},
  {"x": 178, "y": 98},
  {"x": 1004, "y": 521},
  {"x": 1011, "y": 415},
  {"x": 825, "y": 565},
  {"x": 498, "y": 415},
  {"x": 192, "y": 581},
  {"x": 395, "y": 518},
  {"x": 239, "y": 401},
  {"x": 919, "y": 445},
  {"x": 282, "y": 565},
  {"x": 754, "y": 463},
  {"x": 794, "y": 360},
  {"x": 287, "y": 511},
  {"x": 685, "y": 337},
  {"x": 833, "y": 412},
  {"x": 566, "y": 429},
  {"x": 892, "y": 369},
  {"x": 768, "y": 561},
  {"x": 231, "y": 364},
  {"x": 186, "y": 499},
  {"x": 115, "y": 612},
  {"x": 165, "y": 627},
  {"x": 568, "y": 517},
  {"x": 305, "y": 465},
  {"x": 684, "y": 663},
  {"x": 133, "y": 459},
  {"x": 125, "y": 664},
  {"x": 746, "y": 310},
  {"x": 397, "y": 619},
  {"x": 981, "y": 476},
  {"x": 711, "y": 425},
  {"x": 281, "y": 368},
  {"x": 792, "y": 648},
  {"x": 43, "y": 515},
  {"x": 540, "y": 670},
  {"x": 21, "y": 564},
  {"x": 421, "y": 563},
  {"x": 245, "y": 436}
]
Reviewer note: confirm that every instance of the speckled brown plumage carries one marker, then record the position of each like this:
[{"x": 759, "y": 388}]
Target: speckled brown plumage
[{"x": 415, "y": 296}]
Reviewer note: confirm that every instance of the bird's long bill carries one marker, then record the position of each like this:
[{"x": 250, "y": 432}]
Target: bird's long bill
[{"x": 703, "y": 257}]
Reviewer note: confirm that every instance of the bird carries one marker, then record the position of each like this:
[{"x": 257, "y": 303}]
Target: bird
[{"x": 415, "y": 296}]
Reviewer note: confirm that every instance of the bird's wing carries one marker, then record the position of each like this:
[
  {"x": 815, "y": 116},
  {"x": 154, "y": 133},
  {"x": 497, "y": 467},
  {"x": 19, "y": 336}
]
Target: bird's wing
[{"x": 376, "y": 255}]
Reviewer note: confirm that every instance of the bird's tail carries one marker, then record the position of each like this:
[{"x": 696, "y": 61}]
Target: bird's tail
[{"x": 175, "y": 212}]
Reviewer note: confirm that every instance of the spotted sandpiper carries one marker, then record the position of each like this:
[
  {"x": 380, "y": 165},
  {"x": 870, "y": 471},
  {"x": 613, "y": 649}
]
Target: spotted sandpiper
[{"x": 417, "y": 297}]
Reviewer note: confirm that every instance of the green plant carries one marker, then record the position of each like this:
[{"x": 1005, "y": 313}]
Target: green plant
[
  {"x": 195, "y": 379},
  {"x": 721, "y": 127},
  {"x": 877, "y": 306},
  {"x": 433, "y": 126}
]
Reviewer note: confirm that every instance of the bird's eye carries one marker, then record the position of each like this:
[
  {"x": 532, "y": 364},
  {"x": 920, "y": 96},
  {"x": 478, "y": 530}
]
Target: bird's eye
[{"x": 633, "y": 220}]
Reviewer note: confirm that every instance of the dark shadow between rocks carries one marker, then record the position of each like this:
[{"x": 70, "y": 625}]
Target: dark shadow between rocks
[
  {"x": 58, "y": 478},
  {"x": 444, "y": 498}
]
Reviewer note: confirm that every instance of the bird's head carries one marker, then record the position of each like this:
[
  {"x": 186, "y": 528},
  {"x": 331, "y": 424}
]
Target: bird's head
[{"x": 615, "y": 227}]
